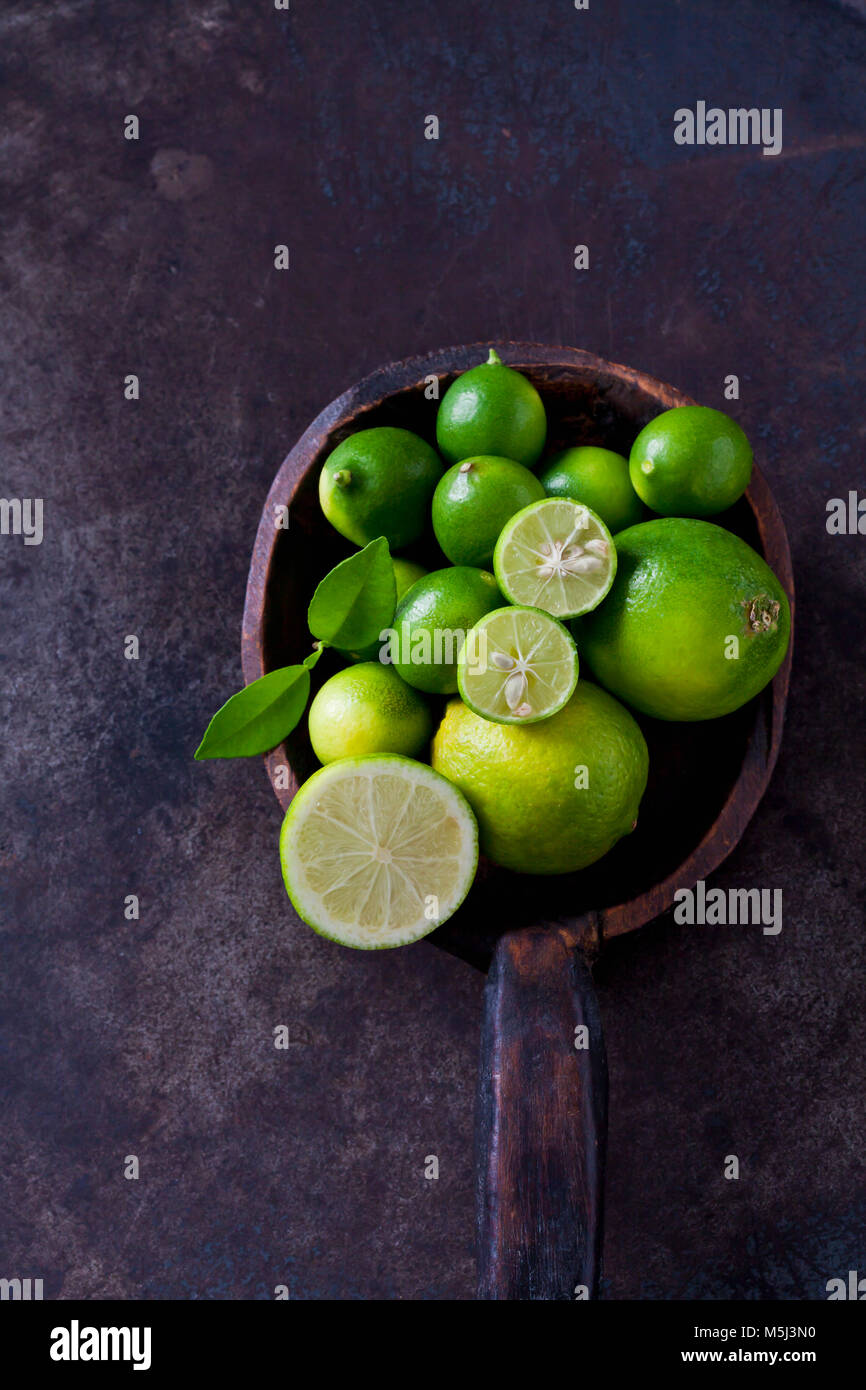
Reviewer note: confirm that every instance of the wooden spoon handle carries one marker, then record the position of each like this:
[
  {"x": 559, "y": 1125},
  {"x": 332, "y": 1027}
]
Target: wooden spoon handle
[{"x": 541, "y": 1122}]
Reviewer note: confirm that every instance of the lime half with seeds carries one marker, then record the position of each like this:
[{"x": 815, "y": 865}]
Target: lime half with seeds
[
  {"x": 517, "y": 665},
  {"x": 378, "y": 851},
  {"x": 556, "y": 555}
]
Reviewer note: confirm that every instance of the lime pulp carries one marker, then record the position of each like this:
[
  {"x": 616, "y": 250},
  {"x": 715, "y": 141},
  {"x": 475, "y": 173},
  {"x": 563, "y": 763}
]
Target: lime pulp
[
  {"x": 378, "y": 851},
  {"x": 556, "y": 555},
  {"x": 517, "y": 666}
]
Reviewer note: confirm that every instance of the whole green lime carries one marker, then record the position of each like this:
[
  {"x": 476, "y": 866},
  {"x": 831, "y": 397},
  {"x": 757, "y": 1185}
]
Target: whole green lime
[
  {"x": 406, "y": 573},
  {"x": 472, "y": 503},
  {"x": 691, "y": 461},
  {"x": 431, "y": 624},
  {"x": 491, "y": 409},
  {"x": 368, "y": 709},
  {"x": 379, "y": 482},
  {"x": 552, "y": 797},
  {"x": 599, "y": 479},
  {"x": 696, "y": 623}
]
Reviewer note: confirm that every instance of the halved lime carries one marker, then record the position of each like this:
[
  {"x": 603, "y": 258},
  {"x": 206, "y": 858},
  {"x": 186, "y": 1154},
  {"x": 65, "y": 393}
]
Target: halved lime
[
  {"x": 378, "y": 851},
  {"x": 556, "y": 555},
  {"x": 517, "y": 665}
]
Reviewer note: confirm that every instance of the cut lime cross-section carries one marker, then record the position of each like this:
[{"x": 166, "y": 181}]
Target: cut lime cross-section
[
  {"x": 517, "y": 665},
  {"x": 378, "y": 851},
  {"x": 556, "y": 555}
]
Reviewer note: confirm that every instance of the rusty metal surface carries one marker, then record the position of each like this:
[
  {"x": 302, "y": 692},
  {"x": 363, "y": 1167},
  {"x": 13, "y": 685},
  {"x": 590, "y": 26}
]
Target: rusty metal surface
[{"x": 155, "y": 257}]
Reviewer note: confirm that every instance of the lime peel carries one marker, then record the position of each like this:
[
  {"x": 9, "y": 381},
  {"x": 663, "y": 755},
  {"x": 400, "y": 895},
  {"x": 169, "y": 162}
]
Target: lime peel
[
  {"x": 695, "y": 625},
  {"x": 534, "y": 815}
]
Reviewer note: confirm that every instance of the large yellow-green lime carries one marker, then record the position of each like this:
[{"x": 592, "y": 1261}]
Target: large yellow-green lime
[
  {"x": 695, "y": 625},
  {"x": 368, "y": 709},
  {"x": 550, "y": 797}
]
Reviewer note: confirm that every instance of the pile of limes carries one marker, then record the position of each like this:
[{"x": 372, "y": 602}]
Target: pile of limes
[{"x": 675, "y": 615}]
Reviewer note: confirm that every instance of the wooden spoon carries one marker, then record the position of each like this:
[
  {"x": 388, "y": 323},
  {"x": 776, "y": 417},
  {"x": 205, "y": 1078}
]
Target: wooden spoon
[{"x": 542, "y": 1100}]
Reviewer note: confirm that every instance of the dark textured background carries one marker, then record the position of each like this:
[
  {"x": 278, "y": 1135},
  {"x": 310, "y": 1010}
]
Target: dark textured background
[{"x": 154, "y": 1038}]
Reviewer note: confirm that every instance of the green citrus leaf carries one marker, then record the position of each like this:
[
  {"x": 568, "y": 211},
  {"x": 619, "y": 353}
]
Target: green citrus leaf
[
  {"x": 258, "y": 717},
  {"x": 310, "y": 661},
  {"x": 356, "y": 600}
]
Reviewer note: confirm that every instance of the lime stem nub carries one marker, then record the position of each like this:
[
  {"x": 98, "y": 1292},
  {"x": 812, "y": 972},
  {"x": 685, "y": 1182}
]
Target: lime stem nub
[
  {"x": 493, "y": 360},
  {"x": 762, "y": 613},
  {"x": 342, "y": 477}
]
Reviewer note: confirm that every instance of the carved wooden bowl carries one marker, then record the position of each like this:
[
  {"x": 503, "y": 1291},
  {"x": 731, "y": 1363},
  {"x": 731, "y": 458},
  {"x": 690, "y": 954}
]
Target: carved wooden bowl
[{"x": 541, "y": 1116}]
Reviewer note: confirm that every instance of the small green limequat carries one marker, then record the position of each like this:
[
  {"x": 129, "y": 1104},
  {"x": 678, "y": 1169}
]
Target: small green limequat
[
  {"x": 380, "y": 482},
  {"x": 472, "y": 503},
  {"x": 517, "y": 666},
  {"x": 492, "y": 409},
  {"x": 432, "y": 621},
  {"x": 598, "y": 478},
  {"x": 557, "y": 555},
  {"x": 691, "y": 461}
]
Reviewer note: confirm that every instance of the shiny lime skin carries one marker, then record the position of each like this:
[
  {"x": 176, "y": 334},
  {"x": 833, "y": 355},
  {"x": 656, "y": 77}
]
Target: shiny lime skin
[
  {"x": 444, "y": 606},
  {"x": 491, "y": 409},
  {"x": 599, "y": 479},
  {"x": 691, "y": 461},
  {"x": 380, "y": 482},
  {"x": 472, "y": 503},
  {"x": 696, "y": 622}
]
